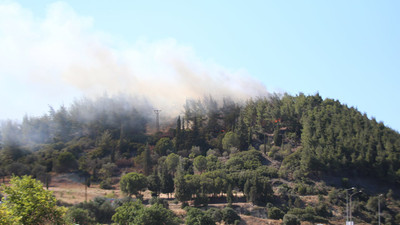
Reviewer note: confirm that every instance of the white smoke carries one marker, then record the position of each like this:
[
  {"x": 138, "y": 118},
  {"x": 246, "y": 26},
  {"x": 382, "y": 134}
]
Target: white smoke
[{"x": 61, "y": 56}]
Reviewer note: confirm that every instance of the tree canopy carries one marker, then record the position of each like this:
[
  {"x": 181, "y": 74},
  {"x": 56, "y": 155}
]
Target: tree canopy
[{"x": 29, "y": 203}]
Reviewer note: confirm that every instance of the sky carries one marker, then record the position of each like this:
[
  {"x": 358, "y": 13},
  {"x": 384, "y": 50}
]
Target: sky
[{"x": 53, "y": 52}]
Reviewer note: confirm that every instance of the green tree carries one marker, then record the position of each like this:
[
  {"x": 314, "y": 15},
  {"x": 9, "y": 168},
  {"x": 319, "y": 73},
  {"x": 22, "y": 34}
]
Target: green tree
[
  {"x": 230, "y": 140},
  {"x": 133, "y": 183},
  {"x": 182, "y": 192},
  {"x": 81, "y": 216},
  {"x": 290, "y": 219},
  {"x": 147, "y": 161},
  {"x": 66, "y": 162},
  {"x": 172, "y": 161},
  {"x": 229, "y": 215},
  {"x": 179, "y": 136},
  {"x": 200, "y": 163},
  {"x": 108, "y": 170},
  {"x": 27, "y": 199},
  {"x": 166, "y": 180},
  {"x": 126, "y": 213},
  {"x": 182, "y": 188},
  {"x": 104, "y": 146},
  {"x": 154, "y": 183},
  {"x": 195, "y": 216},
  {"x": 275, "y": 213},
  {"x": 155, "y": 215},
  {"x": 277, "y": 137},
  {"x": 163, "y": 146}
]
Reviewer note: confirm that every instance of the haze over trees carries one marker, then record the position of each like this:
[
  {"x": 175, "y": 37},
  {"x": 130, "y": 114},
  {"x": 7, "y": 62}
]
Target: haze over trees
[{"x": 273, "y": 150}]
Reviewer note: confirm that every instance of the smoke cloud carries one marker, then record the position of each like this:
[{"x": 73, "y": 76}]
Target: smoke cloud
[{"x": 59, "y": 57}]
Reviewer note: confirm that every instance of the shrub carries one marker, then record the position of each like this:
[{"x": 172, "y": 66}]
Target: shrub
[
  {"x": 100, "y": 208},
  {"x": 196, "y": 216},
  {"x": 275, "y": 213},
  {"x": 77, "y": 215},
  {"x": 106, "y": 184},
  {"x": 215, "y": 214},
  {"x": 290, "y": 219},
  {"x": 27, "y": 199},
  {"x": 155, "y": 215},
  {"x": 160, "y": 201},
  {"x": 229, "y": 215}
]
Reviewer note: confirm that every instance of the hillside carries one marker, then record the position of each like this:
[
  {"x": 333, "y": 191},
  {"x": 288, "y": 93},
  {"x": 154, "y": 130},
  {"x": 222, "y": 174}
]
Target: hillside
[{"x": 267, "y": 158}]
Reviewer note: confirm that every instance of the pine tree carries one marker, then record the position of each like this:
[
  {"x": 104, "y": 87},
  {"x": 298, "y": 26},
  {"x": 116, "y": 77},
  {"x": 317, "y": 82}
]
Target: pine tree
[
  {"x": 166, "y": 180},
  {"x": 182, "y": 192},
  {"x": 147, "y": 164},
  {"x": 179, "y": 135}
]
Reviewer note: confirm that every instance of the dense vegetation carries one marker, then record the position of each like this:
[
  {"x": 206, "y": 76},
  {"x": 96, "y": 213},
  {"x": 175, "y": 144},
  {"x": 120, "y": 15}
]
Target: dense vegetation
[{"x": 274, "y": 150}]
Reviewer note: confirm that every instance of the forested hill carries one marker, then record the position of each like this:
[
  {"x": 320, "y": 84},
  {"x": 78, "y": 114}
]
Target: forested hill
[
  {"x": 310, "y": 135},
  {"x": 283, "y": 153},
  {"x": 332, "y": 137}
]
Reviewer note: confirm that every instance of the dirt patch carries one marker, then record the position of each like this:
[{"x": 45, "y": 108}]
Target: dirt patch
[{"x": 69, "y": 188}]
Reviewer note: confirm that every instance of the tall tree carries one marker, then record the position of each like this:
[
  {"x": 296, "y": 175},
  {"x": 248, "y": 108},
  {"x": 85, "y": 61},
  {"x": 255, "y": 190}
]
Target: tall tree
[
  {"x": 179, "y": 138},
  {"x": 133, "y": 183},
  {"x": 147, "y": 161}
]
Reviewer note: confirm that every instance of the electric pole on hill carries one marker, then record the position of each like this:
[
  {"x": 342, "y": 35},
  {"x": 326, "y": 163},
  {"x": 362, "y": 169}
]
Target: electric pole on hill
[{"x": 157, "y": 112}]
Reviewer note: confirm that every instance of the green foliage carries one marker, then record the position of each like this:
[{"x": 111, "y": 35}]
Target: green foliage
[
  {"x": 136, "y": 214},
  {"x": 200, "y": 163},
  {"x": 275, "y": 213},
  {"x": 290, "y": 219},
  {"x": 245, "y": 160},
  {"x": 213, "y": 163},
  {"x": 307, "y": 214},
  {"x": 133, "y": 183},
  {"x": 100, "y": 208},
  {"x": 306, "y": 137},
  {"x": 153, "y": 183},
  {"x": 397, "y": 218},
  {"x": 229, "y": 215},
  {"x": 147, "y": 161},
  {"x": 258, "y": 190},
  {"x": 163, "y": 146},
  {"x": 230, "y": 140},
  {"x": 166, "y": 179},
  {"x": 372, "y": 203},
  {"x": 215, "y": 214},
  {"x": 127, "y": 213},
  {"x": 77, "y": 215},
  {"x": 277, "y": 137},
  {"x": 7, "y": 217},
  {"x": 155, "y": 215},
  {"x": 106, "y": 184},
  {"x": 27, "y": 199},
  {"x": 156, "y": 200},
  {"x": 108, "y": 170},
  {"x": 66, "y": 162},
  {"x": 182, "y": 188},
  {"x": 195, "y": 216},
  {"x": 172, "y": 161}
]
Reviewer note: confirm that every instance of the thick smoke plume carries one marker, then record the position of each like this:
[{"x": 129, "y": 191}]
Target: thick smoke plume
[{"x": 54, "y": 59}]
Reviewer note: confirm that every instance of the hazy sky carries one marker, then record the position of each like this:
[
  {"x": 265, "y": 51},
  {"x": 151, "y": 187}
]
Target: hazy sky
[{"x": 52, "y": 52}]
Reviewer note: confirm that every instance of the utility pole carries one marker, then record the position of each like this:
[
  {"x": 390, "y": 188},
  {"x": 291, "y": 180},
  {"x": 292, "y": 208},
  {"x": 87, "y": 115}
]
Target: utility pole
[
  {"x": 157, "y": 112},
  {"x": 350, "y": 206},
  {"x": 347, "y": 203}
]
